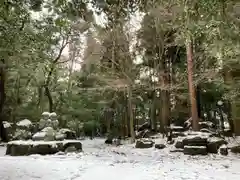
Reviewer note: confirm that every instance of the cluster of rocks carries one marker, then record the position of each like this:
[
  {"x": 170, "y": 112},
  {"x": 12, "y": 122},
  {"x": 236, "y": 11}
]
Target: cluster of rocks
[
  {"x": 49, "y": 129},
  {"x": 23, "y": 148},
  {"x": 207, "y": 140},
  {"x": 144, "y": 143},
  {"x": 201, "y": 144},
  {"x": 45, "y": 137}
]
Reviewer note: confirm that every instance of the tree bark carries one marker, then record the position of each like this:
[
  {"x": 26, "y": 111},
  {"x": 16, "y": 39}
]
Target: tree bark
[
  {"x": 3, "y": 133},
  {"x": 130, "y": 109},
  {"x": 192, "y": 92}
]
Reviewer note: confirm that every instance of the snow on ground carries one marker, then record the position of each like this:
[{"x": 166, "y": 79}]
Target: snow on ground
[{"x": 102, "y": 162}]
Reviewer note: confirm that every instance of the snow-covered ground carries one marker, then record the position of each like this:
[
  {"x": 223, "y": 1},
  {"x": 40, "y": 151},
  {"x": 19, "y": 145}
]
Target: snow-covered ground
[{"x": 102, "y": 162}]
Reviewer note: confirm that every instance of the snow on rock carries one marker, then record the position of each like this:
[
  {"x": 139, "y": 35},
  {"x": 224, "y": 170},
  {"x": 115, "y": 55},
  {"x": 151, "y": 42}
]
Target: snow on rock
[
  {"x": 24, "y": 123},
  {"x": 7, "y": 124},
  {"x": 21, "y": 148}
]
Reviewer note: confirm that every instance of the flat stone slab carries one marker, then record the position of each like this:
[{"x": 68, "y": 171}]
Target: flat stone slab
[
  {"x": 195, "y": 150},
  {"x": 24, "y": 148}
]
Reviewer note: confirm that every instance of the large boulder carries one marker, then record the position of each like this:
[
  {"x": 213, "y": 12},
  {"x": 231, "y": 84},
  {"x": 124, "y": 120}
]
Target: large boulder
[
  {"x": 195, "y": 141},
  {"x": 214, "y": 144},
  {"x": 47, "y": 134},
  {"x": 144, "y": 143},
  {"x": 195, "y": 150}
]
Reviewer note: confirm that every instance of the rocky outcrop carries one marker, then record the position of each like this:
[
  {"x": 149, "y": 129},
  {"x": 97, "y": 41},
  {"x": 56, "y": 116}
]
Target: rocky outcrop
[{"x": 23, "y": 148}]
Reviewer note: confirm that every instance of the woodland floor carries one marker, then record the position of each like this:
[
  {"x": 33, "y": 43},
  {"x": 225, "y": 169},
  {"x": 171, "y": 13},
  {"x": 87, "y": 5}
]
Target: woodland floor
[{"x": 102, "y": 162}]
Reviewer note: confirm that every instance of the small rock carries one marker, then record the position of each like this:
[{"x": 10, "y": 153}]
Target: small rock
[
  {"x": 108, "y": 141},
  {"x": 144, "y": 143},
  {"x": 214, "y": 144},
  {"x": 195, "y": 150},
  {"x": 70, "y": 149},
  {"x": 179, "y": 144},
  {"x": 75, "y": 143},
  {"x": 117, "y": 142},
  {"x": 160, "y": 146},
  {"x": 223, "y": 150},
  {"x": 171, "y": 142}
]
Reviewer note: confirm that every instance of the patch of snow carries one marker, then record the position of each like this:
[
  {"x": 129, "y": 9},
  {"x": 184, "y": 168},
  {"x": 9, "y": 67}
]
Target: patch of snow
[
  {"x": 7, "y": 124},
  {"x": 45, "y": 114},
  {"x": 53, "y": 114},
  {"x": 47, "y": 129},
  {"x": 39, "y": 135},
  {"x": 104, "y": 162},
  {"x": 25, "y": 123}
]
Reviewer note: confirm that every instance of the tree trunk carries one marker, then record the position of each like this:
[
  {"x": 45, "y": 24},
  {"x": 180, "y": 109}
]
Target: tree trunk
[
  {"x": 47, "y": 90},
  {"x": 3, "y": 133},
  {"x": 130, "y": 109},
  {"x": 153, "y": 111},
  {"x": 192, "y": 92}
]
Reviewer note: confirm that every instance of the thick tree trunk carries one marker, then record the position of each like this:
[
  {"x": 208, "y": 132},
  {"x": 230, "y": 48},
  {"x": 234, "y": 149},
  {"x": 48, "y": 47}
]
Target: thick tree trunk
[
  {"x": 192, "y": 92},
  {"x": 3, "y": 133}
]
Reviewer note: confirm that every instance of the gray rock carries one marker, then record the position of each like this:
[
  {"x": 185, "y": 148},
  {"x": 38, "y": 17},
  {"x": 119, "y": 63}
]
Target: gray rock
[
  {"x": 206, "y": 125},
  {"x": 71, "y": 149},
  {"x": 160, "y": 146},
  {"x": 195, "y": 150},
  {"x": 176, "y": 150},
  {"x": 223, "y": 150},
  {"x": 77, "y": 144},
  {"x": 18, "y": 149},
  {"x": 44, "y": 149},
  {"x": 21, "y": 148},
  {"x": 178, "y": 134},
  {"x": 195, "y": 141},
  {"x": 235, "y": 149},
  {"x": 47, "y": 134},
  {"x": 144, "y": 143},
  {"x": 68, "y": 134},
  {"x": 214, "y": 144},
  {"x": 21, "y": 134},
  {"x": 117, "y": 142},
  {"x": 179, "y": 144},
  {"x": 177, "y": 128}
]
